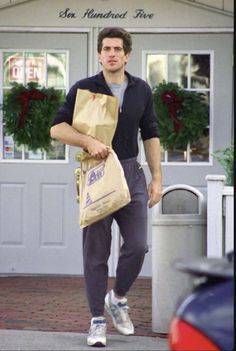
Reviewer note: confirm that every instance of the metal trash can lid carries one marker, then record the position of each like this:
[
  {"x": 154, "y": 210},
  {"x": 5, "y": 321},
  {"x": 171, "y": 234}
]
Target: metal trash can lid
[{"x": 180, "y": 201}]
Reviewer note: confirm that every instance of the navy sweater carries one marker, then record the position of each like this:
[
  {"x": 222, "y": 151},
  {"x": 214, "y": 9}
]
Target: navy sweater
[{"x": 136, "y": 113}]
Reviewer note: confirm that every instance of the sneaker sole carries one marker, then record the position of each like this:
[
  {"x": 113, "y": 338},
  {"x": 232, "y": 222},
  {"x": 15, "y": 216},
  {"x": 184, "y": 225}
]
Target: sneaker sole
[{"x": 97, "y": 344}]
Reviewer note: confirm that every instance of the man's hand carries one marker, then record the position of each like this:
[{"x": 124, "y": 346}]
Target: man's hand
[
  {"x": 153, "y": 156},
  {"x": 154, "y": 192},
  {"x": 97, "y": 149},
  {"x": 66, "y": 134}
]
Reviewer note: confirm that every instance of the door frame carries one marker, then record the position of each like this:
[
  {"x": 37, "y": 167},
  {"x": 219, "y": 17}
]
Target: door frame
[{"x": 93, "y": 68}]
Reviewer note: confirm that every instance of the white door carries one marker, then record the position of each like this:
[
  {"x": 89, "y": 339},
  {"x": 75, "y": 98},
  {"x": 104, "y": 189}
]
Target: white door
[
  {"x": 39, "y": 230},
  {"x": 169, "y": 50}
]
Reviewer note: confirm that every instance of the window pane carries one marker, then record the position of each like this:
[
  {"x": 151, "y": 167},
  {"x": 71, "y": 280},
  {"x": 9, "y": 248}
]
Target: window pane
[
  {"x": 156, "y": 69},
  {"x": 42, "y": 68},
  {"x": 35, "y": 68},
  {"x": 189, "y": 71},
  {"x": 178, "y": 69},
  {"x": 33, "y": 155},
  {"x": 10, "y": 149},
  {"x": 57, "y": 152},
  {"x": 177, "y": 156},
  {"x": 13, "y": 67},
  {"x": 199, "y": 151},
  {"x": 56, "y": 70},
  {"x": 200, "y": 71},
  {"x": 207, "y": 100},
  {"x": 162, "y": 154}
]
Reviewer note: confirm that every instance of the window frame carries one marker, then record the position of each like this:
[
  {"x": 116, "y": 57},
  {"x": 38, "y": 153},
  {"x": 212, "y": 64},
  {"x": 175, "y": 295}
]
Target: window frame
[
  {"x": 188, "y": 162},
  {"x": 2, "y": 88}
]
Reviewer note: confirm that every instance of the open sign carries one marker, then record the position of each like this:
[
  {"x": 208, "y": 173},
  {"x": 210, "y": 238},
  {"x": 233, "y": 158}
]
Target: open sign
[{"x": 34, "y": 69}]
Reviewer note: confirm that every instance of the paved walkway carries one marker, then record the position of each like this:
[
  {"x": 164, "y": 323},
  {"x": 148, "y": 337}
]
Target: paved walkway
[
  {"x": 51, "y": 313},
  {"x": 36, "y": 340}
]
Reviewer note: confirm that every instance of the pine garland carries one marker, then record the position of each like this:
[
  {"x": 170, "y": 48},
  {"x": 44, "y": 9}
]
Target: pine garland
[
  {"x": 28, "y": 112},
  {"x": 182, "y": 115}
]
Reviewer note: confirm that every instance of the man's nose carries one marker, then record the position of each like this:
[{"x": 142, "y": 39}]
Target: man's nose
[{"x": 112, "y": 52}]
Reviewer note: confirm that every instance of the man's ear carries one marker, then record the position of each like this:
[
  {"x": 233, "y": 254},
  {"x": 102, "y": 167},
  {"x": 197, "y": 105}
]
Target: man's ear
[
  {"x": 127, "y": 58},
  {"x": 99, "y": 58}
]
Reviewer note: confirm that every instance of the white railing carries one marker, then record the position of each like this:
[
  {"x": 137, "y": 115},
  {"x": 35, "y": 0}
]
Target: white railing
[{"x": 220, "y": 216}]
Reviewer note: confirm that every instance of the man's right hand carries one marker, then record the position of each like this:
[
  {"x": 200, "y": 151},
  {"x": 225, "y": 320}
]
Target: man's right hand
[
  {"x": 97, "y": 149},
  {"x": 66, "y": 134}
]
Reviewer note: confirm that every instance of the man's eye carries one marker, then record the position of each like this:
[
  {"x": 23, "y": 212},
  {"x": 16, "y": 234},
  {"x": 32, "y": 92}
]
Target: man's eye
[{"x": 117, "y": 48}]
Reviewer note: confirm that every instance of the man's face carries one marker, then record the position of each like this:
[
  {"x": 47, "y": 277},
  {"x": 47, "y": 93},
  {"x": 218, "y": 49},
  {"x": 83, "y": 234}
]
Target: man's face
[{"x": 112, "y": 56}]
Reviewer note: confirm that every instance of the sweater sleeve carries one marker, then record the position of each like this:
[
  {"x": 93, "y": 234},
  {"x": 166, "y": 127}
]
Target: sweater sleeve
[{"x": 148, "y": 123}]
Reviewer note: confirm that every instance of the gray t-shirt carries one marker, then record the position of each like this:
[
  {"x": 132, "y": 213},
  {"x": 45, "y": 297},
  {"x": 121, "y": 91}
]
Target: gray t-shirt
[{"x": 118, "y": 90}]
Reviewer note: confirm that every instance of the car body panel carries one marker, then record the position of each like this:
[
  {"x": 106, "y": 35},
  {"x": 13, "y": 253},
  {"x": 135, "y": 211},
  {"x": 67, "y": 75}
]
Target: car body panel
[
  {"x": 210, "y": 309},
  {"x": 210, "y": 306}
]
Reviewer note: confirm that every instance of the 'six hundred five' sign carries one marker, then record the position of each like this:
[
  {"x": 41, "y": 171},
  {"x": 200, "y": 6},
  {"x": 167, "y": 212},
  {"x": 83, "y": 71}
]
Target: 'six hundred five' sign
[{"x": 93, "y": 14}]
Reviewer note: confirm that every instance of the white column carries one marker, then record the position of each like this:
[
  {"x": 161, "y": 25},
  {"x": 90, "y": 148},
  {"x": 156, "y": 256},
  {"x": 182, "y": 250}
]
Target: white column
[
  {"x": 229, "y": 218},
  {"x": 215, "y": 185}
]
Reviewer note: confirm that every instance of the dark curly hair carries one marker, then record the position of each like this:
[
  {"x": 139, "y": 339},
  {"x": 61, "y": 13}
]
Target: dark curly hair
[{"x": 115, "y": 32}]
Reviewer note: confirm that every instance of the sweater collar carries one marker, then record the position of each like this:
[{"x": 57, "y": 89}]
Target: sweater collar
[{"x": 101, "y": 80}]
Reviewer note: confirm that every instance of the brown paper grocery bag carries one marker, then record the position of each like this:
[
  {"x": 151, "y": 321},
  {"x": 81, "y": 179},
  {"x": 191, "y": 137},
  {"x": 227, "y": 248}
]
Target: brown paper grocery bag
[
  {"x": 101, "y": 185},
  {"x": 103, "y": 188},
  {"x": 96, "y": 115}
]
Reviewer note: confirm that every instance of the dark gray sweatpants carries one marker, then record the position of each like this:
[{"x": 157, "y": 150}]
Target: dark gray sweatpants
[{"x": 132, "y": 222}]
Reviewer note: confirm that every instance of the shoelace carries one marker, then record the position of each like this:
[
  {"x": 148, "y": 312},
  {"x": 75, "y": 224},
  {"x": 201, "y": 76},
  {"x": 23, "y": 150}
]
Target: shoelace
[
  {"x": 99, "y": 329},
  {"x": 98, "y": 326},
  {"x": 121, "y": 312}
]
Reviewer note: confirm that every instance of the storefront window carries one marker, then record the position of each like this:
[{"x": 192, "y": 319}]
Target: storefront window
[
  {"x": 156, "y": 69},
  {"x": 178, "y": 69},
  {"x": 13, "y": 68},
  {"x": 191, "y": 71},
  {"x": 34, "y": 68},
  {"x": 56, "y": 70},
  {"x": 47, "y": 69},
  {"x": 200, "y": 71}
]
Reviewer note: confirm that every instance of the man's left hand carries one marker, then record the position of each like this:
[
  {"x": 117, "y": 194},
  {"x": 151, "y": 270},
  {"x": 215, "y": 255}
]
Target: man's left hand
[{"x": 154, "y": 193}]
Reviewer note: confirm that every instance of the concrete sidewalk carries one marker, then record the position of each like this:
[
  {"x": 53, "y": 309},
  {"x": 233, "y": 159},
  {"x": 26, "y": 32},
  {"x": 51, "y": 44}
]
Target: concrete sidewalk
[{"x": 37, "y": 340}]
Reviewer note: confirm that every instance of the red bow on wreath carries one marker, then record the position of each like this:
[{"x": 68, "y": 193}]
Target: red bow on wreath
[
  {"x": 174, "y": 103},
  {"x": 24, "y": 99}
]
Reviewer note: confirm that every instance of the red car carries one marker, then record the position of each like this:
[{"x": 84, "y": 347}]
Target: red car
[{"x": 204, "y": 320}]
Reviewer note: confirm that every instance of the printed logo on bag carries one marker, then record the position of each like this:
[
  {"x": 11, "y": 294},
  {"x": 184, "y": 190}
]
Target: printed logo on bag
[
  {"x": 88, "y": 200},
  {"x": 95, "y": 174}
]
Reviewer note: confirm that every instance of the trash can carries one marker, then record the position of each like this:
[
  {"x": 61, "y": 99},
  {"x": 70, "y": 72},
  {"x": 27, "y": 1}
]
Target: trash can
[{"x": 178, "y": 231}]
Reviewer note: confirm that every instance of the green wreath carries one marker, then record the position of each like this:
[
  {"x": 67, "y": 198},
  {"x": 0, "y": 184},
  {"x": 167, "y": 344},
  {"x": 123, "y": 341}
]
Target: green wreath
[
  {"x": 28, "y": 112},
  {"x": 182, "y": 115}
]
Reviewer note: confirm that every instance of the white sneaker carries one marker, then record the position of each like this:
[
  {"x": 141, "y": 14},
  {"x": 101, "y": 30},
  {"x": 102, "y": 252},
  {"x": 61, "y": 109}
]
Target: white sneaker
[
  {"x": 97, "y": 332},
  {"x": 119, "y": 314}
]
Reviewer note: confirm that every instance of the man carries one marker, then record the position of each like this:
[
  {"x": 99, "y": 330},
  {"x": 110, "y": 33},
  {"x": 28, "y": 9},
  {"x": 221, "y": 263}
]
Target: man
[{"x": 136, "y": 113}]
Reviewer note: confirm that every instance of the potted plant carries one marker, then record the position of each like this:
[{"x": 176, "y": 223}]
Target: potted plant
[{"x": 226, "y": 158}]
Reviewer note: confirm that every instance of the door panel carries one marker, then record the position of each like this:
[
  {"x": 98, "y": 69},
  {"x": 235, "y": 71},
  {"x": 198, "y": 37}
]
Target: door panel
[
  {"x": 221, "y": 45},
  {"x": 221, "y": 115},
  {"x": 39, "y": 215}
]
